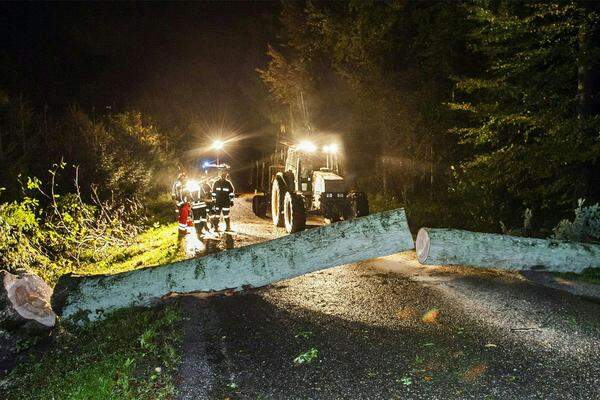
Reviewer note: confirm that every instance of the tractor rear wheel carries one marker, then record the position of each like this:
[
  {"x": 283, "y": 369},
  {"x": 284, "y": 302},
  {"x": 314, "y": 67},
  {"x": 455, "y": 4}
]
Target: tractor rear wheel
[
  {"x": 259, "y": 205},
  {"x": 294, "y": 213},
  {"x": 277, "y": 194}
]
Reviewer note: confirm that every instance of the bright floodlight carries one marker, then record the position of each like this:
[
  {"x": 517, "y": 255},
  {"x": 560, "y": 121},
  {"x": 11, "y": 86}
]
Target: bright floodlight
[
  {"x": 218, "y": 145},
  {"x": 192, "y": 186},
  {"x": 330, "y": 148},
  {"x": 307, "y": 146}
]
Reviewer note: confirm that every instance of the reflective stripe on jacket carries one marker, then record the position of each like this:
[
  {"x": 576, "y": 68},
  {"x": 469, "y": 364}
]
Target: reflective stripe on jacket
[{"x": 223, "y": 192}]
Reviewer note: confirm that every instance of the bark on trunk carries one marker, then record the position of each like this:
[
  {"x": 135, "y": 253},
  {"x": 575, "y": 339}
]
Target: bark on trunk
[
  {"x": 25, "y": 300},
  {"x": 486, "y": 250},
  {"x": 251, "y": 266}
]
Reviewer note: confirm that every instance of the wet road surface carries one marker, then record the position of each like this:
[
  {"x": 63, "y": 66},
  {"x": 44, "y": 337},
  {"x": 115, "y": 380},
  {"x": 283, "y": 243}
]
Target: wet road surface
[{"x": 389, "y": 329}]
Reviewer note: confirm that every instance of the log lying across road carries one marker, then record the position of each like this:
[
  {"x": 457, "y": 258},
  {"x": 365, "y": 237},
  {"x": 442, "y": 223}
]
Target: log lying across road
[
  {"x": 251, "y": 266},
  {"x": 486, "y": 250}
]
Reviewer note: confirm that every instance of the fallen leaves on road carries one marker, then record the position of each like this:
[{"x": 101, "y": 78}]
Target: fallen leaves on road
[
  {"x": 405, "y": 380},
  {"x": 405, "y": 313},
  {"x": 474, "y": 372},
  {"x": 303, "y": 335},
  {"x": 430, "y": 317}
]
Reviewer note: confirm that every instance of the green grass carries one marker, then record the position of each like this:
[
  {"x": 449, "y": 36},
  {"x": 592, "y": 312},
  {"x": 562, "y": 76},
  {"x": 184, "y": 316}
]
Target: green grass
[
  {"x": 130, "y": 355},
  {"x": 589, "y": 275},
  {"x": 160, "y": 208},
  {"x": 156, "y": 246},
  {"x": 115, "y": 358}
]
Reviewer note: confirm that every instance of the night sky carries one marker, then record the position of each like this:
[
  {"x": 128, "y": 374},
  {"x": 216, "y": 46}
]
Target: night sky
[{"x": 185, "y": 63}]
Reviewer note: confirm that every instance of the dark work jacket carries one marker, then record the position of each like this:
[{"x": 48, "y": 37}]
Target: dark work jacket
[{"x": 223, "y": 193}]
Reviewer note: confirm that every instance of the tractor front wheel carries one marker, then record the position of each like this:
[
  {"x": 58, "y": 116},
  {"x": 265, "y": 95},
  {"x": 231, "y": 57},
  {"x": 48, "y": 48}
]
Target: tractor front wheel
[
  {"x": 294, "y": 213},
  {"x": 277, "y": 194}
]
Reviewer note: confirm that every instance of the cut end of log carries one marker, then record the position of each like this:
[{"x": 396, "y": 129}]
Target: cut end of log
[
  {"x": 26, "y": 298},
  {"x": 422, "y": 245}
]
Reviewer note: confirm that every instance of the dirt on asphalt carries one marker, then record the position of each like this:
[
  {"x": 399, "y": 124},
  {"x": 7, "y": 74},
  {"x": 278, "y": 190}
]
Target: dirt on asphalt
[{"x": 389, "y": 329}]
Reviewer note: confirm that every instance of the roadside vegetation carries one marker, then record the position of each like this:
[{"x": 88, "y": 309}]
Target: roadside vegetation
[
  {"x": 76, "y": 190},
  {"x": 130, "y": 355},
  {"x": 51, "y": 234},
  {"x": 93, "y": 205}
]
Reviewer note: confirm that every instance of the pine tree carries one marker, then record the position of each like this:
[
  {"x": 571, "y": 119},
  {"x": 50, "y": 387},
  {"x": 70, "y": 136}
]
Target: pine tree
[{"x": 534, "y": 125}]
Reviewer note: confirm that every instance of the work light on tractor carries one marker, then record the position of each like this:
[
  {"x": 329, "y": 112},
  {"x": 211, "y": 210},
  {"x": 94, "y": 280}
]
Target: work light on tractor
[{"x": 306, "y": 181}]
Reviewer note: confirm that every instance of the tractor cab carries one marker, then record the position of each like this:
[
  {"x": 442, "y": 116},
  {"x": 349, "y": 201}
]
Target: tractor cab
[
  {"x": 307, "y": 180},
  {"x": 314, "y": 172},
  {"x": 303, "y": 165},
  {"x": 211, "y": 172}
]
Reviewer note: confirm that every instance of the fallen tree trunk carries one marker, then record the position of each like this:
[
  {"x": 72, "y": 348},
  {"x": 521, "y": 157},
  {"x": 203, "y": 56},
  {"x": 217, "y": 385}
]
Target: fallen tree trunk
[
  {"x": 25, "y": 302},
  {"x": 251, "y": 266},
  {"x": 487, "y": 250}
]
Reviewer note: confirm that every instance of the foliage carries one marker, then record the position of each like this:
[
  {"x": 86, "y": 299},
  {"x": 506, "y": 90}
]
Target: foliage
[
  {"x": 130, "y": 355},
  {"x": 20, "y": 235},
  {"x": 378, "y": 202},
  {"x": 521, "y": 231},
  {"x": 52, "y": 234},
  {"x": 531, "y": 132},
  {"x": 307, "y": 357},
  {"x": 120, "y": 154},
  {"x": 585, "y": 227}
]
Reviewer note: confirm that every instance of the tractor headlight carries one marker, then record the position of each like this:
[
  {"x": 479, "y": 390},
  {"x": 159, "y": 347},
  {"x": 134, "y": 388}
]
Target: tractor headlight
[{"x": 307, "y": 146}]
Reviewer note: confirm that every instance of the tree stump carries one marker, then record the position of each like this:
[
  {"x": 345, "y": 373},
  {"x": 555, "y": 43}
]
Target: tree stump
[{"x": 25, "y": 302}]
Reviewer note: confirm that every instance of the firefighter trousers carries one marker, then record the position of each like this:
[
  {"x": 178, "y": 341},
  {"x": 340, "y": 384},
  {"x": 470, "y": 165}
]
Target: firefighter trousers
[
  {"x": 200, "y": 214},
  {"x": 216, "y": 216}
]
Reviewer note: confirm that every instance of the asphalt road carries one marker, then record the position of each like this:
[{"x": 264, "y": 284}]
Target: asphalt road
[{"x": 389, "y": 329}]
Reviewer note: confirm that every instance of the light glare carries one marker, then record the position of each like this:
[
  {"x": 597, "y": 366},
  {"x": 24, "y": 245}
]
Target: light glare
[
  {"x": 330, "y": 148},
  {"x": 218, "y": 145},
  {"x": 192, "y": 186},
  {"x": 307, "y": 146}
]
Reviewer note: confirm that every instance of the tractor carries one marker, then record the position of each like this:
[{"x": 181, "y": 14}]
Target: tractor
[{"x": 304, "y": 178}]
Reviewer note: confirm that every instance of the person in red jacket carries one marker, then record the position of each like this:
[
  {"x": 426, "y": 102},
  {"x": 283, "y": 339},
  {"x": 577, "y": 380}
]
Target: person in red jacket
[{"x": 183, "y": 206}]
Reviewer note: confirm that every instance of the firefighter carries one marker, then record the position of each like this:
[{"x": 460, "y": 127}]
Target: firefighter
[
  {"x": 222, "y": 194},
  {"x": 199, "y": 194},
  {"x": 183, "y": 206}
]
